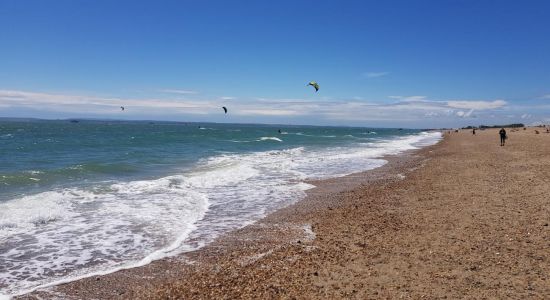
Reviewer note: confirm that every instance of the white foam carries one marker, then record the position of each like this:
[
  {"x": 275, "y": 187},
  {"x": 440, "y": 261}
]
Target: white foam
[
  {"x": 312, "y": 135},
  {"x": 33, "y": 172},
  {"x": 23, "y": 214},
  {"x": 239, "y": 141},
  {"x": 57, "y": 235},
  {"x": 62, "y": 235},
  {"x": 404, "y": 143},
  {"x": 270, "y": 138}
]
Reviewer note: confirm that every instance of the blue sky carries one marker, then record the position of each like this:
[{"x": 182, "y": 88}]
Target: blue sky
[{"x": 379, "y": 63}]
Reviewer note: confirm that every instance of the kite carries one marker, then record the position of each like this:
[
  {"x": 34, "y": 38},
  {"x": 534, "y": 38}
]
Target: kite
[{"x": 314, "y": 84}]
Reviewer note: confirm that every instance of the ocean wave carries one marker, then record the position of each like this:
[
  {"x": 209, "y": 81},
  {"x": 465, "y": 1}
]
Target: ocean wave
[
  {"x": 34, "y": 172},
  {"x": 93, "y": 168},
  {"x": 313, "y": 135},
  {"x": 87, "y": 230},
  {"x": 19, "y": 179},
  {"x": 123, "y": 224},
  {"x": 239, "y": 141},
  {"x": 31, "y": 177},
  {"x": 269, "y": 138}
]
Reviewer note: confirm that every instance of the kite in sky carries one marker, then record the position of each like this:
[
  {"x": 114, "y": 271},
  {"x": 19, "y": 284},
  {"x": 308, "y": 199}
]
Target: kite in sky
[{"x": 314, "y": 84}]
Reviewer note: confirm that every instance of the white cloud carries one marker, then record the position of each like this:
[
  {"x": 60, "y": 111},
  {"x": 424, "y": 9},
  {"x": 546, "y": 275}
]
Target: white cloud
[
  {"x": 478, "y": 105},
  {"x": 459, "y": 104},
  {"x": 446, "y": 108},
  {"x": 375, "y": 74},
  {"x": 464, "y": 114},
  {"x": 409, "y": 98},
  {"x": 92, "y": 104},
  {"x": 269, "y": 112},
  {"x": 449, "y": 112},
  {"x": 405, "y": 109},
  {"x": 284, "y": 100},
  {"x": 177, "y": 91},
  {"x": 526, "y": 116}
]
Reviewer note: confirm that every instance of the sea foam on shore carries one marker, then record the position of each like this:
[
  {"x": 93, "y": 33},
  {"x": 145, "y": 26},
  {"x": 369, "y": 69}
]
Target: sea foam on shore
[{"x": 73, "y": 232}]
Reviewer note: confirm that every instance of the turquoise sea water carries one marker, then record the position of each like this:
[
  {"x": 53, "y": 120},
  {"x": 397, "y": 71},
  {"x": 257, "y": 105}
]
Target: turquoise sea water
[{"x": 92, "y": 196}]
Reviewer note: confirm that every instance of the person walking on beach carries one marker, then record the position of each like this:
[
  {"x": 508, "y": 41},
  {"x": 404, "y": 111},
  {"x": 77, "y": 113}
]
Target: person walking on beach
[
  {"x": 502, "y": 133},
  {"x": 474, "y": 131}
]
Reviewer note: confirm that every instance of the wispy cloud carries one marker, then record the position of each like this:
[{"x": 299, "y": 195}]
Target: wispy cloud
[
  {"x": 375, "y": 74},
  {"x": 478, "y": 105},
  {"x": 432, "y": 114},
  {"x": 93, "y": 104},
  {"x": 359, "y": 111},
  {"x": 177, "y": 91},
  {"x": 545, "y": 96},
  {"x": 227, "y": 98},
  {"x": 284, "y": 101},
  {"x": 408, "y": 98},
  {"x": 447, "y": 108},
  {"x": 270, "y": 112},
  {"x": 463, "y": 114}
]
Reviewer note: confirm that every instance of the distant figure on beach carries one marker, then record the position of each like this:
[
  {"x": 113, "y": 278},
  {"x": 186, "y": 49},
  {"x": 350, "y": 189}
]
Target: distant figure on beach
[
  {"x": 502, "y": 133},
  {"x": 474, "y": 131}
]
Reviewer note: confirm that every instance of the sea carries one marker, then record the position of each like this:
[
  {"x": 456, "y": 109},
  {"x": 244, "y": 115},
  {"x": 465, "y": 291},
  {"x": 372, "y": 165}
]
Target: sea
[{"x": 84, "y": 197}]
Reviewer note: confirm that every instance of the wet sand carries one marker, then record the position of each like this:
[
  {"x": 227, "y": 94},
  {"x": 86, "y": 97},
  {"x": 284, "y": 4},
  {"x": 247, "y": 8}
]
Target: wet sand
[{"x": 462, "y": 219}]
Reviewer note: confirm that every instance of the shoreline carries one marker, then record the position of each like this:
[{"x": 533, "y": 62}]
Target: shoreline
[
  {"x": 330, "y": 185},
  {"x": 465, "y": 218}
]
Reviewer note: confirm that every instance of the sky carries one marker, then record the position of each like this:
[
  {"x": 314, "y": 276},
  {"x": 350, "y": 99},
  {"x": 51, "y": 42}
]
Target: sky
[{"x": 416, "y": 64}]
